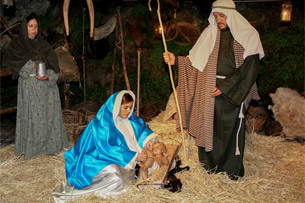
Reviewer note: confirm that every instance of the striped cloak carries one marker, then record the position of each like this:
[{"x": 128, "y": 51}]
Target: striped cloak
[{"x": 194, "y": 90}]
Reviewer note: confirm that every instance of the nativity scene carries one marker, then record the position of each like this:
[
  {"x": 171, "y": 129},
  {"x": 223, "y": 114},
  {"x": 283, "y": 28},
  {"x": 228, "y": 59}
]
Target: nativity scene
[{"x": 151, "y": 101}]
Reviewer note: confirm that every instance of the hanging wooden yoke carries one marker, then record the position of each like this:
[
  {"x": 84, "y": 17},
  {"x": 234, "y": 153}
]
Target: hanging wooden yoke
[{"x": 66, "y": 16}]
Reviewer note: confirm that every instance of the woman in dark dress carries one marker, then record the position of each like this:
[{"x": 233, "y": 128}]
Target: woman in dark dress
[{"x": 39, "y": 123}]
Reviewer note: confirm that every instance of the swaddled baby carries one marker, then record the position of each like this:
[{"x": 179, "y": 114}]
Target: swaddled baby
[{"x": 156, "y": 160}]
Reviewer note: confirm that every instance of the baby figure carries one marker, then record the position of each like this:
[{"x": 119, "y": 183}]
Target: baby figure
[{"x": 156, "y": 161}]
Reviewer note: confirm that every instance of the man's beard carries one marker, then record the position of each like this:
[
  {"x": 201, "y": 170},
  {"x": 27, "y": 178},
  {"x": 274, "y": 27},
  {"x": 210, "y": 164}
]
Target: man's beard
[{"x": 224, "y": 27}]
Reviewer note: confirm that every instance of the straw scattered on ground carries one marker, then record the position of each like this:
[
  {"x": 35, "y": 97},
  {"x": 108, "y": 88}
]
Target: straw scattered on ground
[{"x": 274, "y": 172}]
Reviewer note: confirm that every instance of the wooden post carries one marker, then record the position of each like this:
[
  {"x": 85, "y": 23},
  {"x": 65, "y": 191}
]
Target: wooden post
[
  {"x": 67, "y": 96},
  {"x": 139, "y": 50},
  {"x": 113, "y": 60},
  {"x": 8, "y": 110},
  {"x": 135, "y": 30},
  {"x": 123, "y": 50}
]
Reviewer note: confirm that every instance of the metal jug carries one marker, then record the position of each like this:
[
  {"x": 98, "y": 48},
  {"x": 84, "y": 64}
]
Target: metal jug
[{"x": 41, "y": 69}]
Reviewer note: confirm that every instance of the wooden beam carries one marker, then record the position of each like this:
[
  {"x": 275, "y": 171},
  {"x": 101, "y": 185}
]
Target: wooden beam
[
  {"x": 8, "y": 110},
  {"x": 5, "y": 72},
  {"x": 6, "y": 27}
]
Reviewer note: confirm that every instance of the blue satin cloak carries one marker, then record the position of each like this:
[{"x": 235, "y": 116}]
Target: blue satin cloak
[{"x": 100, "y": 145}]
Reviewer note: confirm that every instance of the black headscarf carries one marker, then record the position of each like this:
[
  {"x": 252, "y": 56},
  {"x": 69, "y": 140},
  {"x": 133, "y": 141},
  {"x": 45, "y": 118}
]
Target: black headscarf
[{"x": 22, "y": 49}]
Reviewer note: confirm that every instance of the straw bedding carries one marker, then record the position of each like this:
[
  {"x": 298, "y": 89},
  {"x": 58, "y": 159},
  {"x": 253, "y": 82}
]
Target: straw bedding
[{"x": 274, "y": 172}]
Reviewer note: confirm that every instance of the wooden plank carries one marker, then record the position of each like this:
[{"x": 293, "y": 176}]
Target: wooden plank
[
  {"x": 8, "y": 110},
  {"x": 5, "y": 72}
]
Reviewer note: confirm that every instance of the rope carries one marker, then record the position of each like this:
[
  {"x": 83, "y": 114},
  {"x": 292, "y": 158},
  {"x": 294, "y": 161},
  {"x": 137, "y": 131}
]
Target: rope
[
  {"x": 240, "y": 116},
  {"x": 171, "y": 75}
]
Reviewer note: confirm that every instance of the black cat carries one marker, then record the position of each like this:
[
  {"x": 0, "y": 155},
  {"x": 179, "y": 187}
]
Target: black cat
[{"x": 175, "y": 184}]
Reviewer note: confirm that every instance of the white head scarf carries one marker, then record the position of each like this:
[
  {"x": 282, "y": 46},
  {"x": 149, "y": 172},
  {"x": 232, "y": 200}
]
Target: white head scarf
[
  {"x": 243, "y": 32},
  {"x": 118, "y": 102}
]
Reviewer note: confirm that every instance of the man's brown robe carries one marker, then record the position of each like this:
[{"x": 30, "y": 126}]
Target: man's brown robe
[{"x": 214, "y": 122}]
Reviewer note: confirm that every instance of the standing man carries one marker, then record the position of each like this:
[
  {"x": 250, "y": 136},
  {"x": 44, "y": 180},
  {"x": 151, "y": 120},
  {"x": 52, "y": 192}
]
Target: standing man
[{"x": 215, "y": 85}]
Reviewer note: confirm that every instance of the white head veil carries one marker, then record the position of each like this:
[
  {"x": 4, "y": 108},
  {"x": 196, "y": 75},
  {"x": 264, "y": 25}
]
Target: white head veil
[
  {"x": 243, "y": 32},
  {"x": 118, "y": 102}
]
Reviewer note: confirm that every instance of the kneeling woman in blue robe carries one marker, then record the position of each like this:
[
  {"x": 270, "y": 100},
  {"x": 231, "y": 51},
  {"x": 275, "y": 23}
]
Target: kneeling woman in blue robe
[{"x": 104, "y": 157}]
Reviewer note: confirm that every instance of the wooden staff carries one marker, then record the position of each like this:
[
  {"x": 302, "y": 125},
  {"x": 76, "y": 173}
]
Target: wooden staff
[
  {"x": 123, "y": 50},
  {"x": 171, "y": 75}
]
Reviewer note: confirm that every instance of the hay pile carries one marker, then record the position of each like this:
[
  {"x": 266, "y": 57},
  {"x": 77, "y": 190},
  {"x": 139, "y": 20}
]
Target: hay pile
[{"x": 274, "y": 172}]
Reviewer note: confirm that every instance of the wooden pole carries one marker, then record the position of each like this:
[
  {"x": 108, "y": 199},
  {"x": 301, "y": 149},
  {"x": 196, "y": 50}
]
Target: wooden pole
[
  {"x": 67, "y": 96},
  {"x": 84, "y": 61},
  {"x": 8, "y": 110},
  {"x": 123, "y": 50},
  {"x": 139, "y": 50},
  {"x": 113, "y": 60},
  {"x": 135, "y": 30},
  {"x": 171, "y": 76}
]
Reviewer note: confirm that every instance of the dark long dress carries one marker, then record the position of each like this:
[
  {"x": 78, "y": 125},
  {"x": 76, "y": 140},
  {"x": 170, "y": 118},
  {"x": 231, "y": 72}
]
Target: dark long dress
[
  {"x": 235, "y": 88},
  {"x": 39, "y": 123}
]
